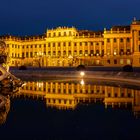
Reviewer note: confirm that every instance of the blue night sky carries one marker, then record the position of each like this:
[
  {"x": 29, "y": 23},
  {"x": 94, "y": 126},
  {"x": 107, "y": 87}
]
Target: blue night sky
[{"x": 31, "y": 17}]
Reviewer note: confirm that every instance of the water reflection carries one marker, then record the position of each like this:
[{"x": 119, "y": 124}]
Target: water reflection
[
  {"x": 4, "y": 108},
  {"x": 69, "y": 94}
]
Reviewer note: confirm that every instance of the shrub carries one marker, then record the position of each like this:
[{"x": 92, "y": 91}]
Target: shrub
[
  {"x": 127, "y": 68},
  {"x": 23, "y": 68},
  {"x": 80, "y": 67}
]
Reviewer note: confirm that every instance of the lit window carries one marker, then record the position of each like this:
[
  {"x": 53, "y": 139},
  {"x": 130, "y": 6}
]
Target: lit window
[
  {"x": 121, "y": 61},
  {"x": 115, "y": 52},
  {"x": 128, "y": 61}
]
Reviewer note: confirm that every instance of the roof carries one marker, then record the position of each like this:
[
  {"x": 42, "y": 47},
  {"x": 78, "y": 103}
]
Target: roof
[
  {"x": 89, "y": 33},
  {"x": 121, "y": 28}
]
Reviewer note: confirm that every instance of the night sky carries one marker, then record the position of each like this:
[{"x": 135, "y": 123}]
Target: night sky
[{"x": 32, "y": 17}]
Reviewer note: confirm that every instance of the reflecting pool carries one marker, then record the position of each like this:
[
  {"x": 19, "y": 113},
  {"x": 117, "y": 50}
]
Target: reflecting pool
[{"x": 72, "y": 109}]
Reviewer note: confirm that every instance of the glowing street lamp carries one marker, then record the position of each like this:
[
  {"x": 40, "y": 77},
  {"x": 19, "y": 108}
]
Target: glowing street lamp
[{"x": 82, "y": 73}]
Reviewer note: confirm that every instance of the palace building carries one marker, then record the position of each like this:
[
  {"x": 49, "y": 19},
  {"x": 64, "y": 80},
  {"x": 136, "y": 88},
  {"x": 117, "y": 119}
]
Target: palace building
[{"x": 64, "y": 46}]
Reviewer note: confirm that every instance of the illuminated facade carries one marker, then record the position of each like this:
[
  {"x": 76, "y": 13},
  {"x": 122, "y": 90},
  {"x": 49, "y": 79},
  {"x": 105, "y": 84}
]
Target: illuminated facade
[
  {"x": 65, "y": 95},
  {"x": 65, "y": 46}
]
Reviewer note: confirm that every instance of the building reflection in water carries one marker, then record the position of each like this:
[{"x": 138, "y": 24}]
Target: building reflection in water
[
  {"x": 68, "y": 94},
  {"x": 4, "y": 108}
]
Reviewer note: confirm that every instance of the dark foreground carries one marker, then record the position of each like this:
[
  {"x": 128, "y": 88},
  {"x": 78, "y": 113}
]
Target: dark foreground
[{"x": 31, "y": 120}]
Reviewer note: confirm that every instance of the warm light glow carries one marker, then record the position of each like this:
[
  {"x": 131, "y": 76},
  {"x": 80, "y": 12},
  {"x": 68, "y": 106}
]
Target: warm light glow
[
  {"x": 82, "y": 73},
  {"x": 115, "y": 53},
  {"x": 39, "y": 84},
  {"x": 82, "y": 82}
]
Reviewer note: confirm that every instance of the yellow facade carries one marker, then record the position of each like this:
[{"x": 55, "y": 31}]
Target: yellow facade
[{"x": 65, "y": 46}]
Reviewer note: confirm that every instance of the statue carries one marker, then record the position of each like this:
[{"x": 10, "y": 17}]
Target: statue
[{"x": 7, "y": 80}]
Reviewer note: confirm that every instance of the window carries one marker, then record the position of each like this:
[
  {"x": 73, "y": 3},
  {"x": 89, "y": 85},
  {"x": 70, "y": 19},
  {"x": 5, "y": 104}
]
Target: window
[
  {"x": 121, "y": 52},
  {"x": 49, "y": 35},
  {"x": 22, "y": 54},
  {"x": 54, "y": 34},
  {"x": 54, "y": 52},
  {"x": 65, "y": 34},
  {"x": 115, "y": 61},
  {"x": 31, "y": 46},
  {"x": 128, "y": 39},
  {"x": 49, "y": 52},
  {"x": 27, "y": 54},
  {"x": 97, "y": 43},
  {"x": 128, "y": 61},
  {"x": 80, "y": 43},
  {"x": 102, "y": 53},
  {"x": 86, "y": 43},
  {"x": 86, "y": 52},
  {"x": 31, "y": 54},
  {"x": 64, "y": 52},
  {"x": 59, "y": 52},
  {"x": 49, "y": 44},
  {"x": 139, "y": 33},
  {"x": 128, "y": 51},
  {"x": 69, "y": 44},
  {"x": 97, "y": 52},
  {"x": 108, "y": 40},
  {"x": 75, "y": 44},
  {"x": 69, "y": 52},
  {"x": 91, "y": 52},
  {"x": 115, "y": 94},
  {"x": 121, "y": 39},
  {"x": 122, "y": 94},
  {"x": 70, "y": 33},
  {"x": 80, "y": 52},
  {"x": 53, "y": 44},
  {"x": 59, "y": 34},
  {"x": 115, "y": 40},
  {"x": 121, "y": 61},
  {"x": 58, "y": 44},
  {"x": 108, "y": 61},
  {"x": 64, "y": 44},
  {"x": 139, "y": 48},
  {"x": 102, "y": 43}
]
